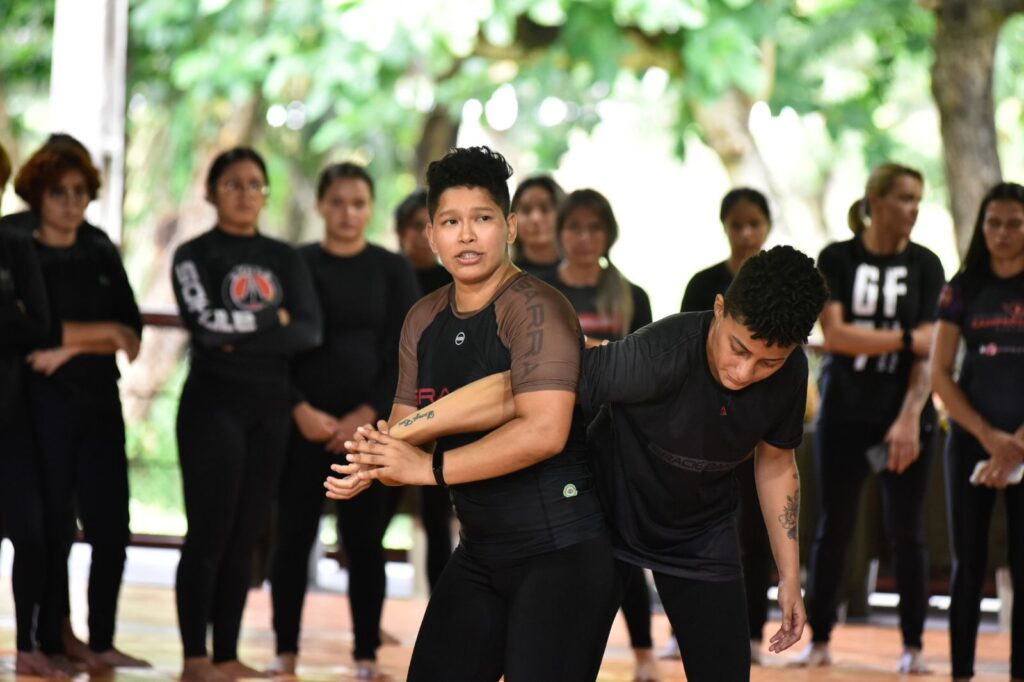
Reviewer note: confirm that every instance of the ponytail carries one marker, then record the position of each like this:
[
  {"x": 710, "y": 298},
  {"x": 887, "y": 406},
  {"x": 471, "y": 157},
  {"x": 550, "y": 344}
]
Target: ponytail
[
  {"x": 615, "y": 298},
  {"x": 855, "y": 217}
]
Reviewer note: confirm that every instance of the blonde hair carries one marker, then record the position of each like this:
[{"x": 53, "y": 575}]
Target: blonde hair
[{"x": 880, "y": 182}]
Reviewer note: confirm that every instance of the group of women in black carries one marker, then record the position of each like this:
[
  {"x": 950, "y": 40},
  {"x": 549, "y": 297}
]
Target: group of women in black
[
  {"x": 570, "y": 474},
  {"x": 67, "y": 308}
]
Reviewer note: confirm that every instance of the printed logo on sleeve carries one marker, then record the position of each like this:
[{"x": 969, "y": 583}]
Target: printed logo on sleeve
[{"x": 252, "y": 288}]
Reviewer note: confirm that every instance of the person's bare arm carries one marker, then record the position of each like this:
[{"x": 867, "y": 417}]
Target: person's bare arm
[
  {"x": 904, "y": 434},
  {"x": 847, "y": 338},
  {"x": 778, "y": 488}
]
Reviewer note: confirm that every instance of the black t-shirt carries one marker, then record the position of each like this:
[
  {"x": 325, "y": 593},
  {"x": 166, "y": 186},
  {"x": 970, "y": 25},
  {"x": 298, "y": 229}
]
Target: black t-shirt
[
  {"x": 668, "y": 436},
  {"x": 990, "y": 314},
  {"x": 530, "y": 329},
  {"x": 24, "y": 313},
  {"x": 433, "y": 278},
  {"x": 229, "y": 289},
  {"x": 364, "y": 299},
  {"x": 595, "y": 324},
  {"x": 544, "y": 271},
  {"x": 881, "y": 292},
  {"x": 704, "y": 286},
  {"x": 86, "y": 282}
]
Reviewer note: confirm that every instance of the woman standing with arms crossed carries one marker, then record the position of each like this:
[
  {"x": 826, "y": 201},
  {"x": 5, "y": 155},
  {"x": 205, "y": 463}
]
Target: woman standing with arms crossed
[
  {"x": 746, "y": 220},
  {"x": 875, "y": 397},
  {"x": 984, "y": 305},
  {"x": 365, "y": 293},
  {"x": 249, "y": 305}
]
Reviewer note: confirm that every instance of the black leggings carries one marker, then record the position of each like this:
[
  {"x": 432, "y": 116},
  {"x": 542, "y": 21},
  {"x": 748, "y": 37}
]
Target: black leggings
[
  {"x": 361, "y": 523},
  {"x": 83, "y": 456},
  {"x": 21, "y": 505},
  {"x": 546, "y": 617},
  {"x": 709, "y": 619},
  {"x": 970, "y": 513},
  {"x": 636, "y": 605},
  {"x": 842, "y": 468},
  {"x": 435, "y": 509},
  {"x": 755, "y": 548},
  {"x": 231, "y": 441}
]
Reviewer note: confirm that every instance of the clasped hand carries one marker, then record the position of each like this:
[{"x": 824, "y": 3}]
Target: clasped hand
[{"x": 375, "y": 455}]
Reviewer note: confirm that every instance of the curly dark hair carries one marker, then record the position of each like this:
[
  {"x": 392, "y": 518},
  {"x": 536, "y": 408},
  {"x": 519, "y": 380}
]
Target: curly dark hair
[
  {"x": 777, "y": 294},
  {"x": 45, "y": 168},
  {"x": 469, "y": 167}
]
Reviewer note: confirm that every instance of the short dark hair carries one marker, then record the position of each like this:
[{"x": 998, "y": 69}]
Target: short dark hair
[
  {"x": 777, "y": 294},
  {"x": 337, "y": 171},
  {"x": 545, "y": 182},
  {"x": 408, "y": 208},
  {"x": 596, "y": 202},
  {"x": 747, "y": 194},
  {"x": 226, "y": 159},
  {"x": 978, "y": 261},
  {"x": 48, "y": 165},
  {"x": 469, "y": 167}
]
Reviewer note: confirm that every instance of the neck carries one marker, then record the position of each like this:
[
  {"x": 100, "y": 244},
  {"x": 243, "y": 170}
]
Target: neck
[
  {"x": 541, "y": 255},
  {"x": 736, "y": 261},
  {"x": 883, "y": 242},
  {"x": 337, "y": 247},
  {"x": 579, "y": 275},
  {"x": 709, "y": 350},
  {"x": 470, "y": 296},
  {"x": 54, "y": 236},
  {"x": 237, "y": 229},
  {"x": 1004, "y": 268}
]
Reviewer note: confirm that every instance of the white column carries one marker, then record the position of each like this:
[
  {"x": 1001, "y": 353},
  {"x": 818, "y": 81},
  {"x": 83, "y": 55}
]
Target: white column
[{"x": 87, "y": 93}]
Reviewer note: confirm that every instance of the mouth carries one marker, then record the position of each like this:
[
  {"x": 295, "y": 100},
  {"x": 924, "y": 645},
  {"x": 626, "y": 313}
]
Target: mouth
[{"x": 468, "y": 257}]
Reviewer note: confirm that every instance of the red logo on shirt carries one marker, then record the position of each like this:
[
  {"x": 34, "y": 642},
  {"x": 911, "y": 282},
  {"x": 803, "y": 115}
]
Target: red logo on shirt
[
  {"x": 723, "y": 411},
  {"x": 425, "y": 396},
  {"x": 252, "y": 288}
]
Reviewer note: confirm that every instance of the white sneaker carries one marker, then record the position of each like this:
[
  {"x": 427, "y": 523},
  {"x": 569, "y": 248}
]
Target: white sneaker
[
  {"x": 912, "y": 662},
  {"x": 670, "y": 650},
  {"x": 814, "y": 656},
  {"x": 755, "y": 652}
]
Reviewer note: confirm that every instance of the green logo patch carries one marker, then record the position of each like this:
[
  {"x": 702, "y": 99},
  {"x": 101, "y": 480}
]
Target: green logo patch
[{"x": 570, "y": 491}]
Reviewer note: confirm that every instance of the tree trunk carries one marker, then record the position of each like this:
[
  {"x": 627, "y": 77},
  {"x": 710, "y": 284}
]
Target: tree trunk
[
  {"x": 440, "y": 131},
  {"x": 965, "y": 44}
]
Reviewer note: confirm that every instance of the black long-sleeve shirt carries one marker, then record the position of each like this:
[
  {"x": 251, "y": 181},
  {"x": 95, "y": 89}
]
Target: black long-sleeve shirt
[
  {"x": 27, "y": 222},
  {"x": 24, "y": 311},
  {"x": 229, "y": 290},
  {"x": 364, "y": 298},
  {"x": 86, "y": 282}
]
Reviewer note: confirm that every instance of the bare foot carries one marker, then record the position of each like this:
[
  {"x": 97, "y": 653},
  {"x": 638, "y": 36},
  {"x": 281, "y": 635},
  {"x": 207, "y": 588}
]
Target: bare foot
[
  {"x": 283, "y": 666},
  {"x": 201, "y": 669},
  {"x": 36, "y": 663},
  {"x": 113, "y": 658},
  {"x": 646, "y": 666},
  {"x": 75, "y": 649},
  {"x": 236, "y": 670},
  {"x": 388, "y": 639},
  {"x": 62, "y": 664}
]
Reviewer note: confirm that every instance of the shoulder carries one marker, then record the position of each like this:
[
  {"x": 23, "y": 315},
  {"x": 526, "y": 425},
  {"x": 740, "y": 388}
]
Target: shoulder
[
  {"x": 189, "y": 247},
  {"x": 22, "y": 221},
  {"x": 673, "y": 333},
  {"x": 426, "y": 309},
  {"x": 924, "y": 255},
  {"x": 843, "y": 249},
  {"x": 638, "y": 292},
  {"x": 708, "y": 274},
  {"x": 530, "y": 292}
]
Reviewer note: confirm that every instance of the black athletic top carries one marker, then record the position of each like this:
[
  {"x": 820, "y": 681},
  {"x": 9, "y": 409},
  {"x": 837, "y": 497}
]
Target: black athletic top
[
  {"x": 229, "y": 289},
  {"x": 24, "y": 312},
  {"x": 668, "y": 436},
  {"x": 529, "y": 328},
  {"x": 433, "y": 278},
  {"x": 364, "y": 300},
  {"x": 990, "y": 314},
  {"x": 86, "y": 282},
  {"x": 594, "y": 324},
  {"x": 881, "y": 292},
  {"x": 704, "y": 286},
  {"x": 545, "y": 271},
  {"x": 27, "y": 222}
]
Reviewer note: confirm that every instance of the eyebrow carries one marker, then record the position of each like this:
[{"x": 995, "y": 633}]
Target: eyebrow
[
  {"x": 448, "y": 211},
  {"x": 739, "y": 343}
]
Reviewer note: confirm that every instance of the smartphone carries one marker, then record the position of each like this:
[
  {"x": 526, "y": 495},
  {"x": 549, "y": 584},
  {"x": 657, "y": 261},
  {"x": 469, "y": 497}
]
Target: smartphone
[
  {"x": 878, "y": 457},
  {"x": 1015, "y": 477}
]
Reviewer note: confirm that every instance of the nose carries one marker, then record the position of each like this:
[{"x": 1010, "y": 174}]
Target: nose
[
  {"x": 466, "y": 234},
  {"x": 744, "y": 372}
]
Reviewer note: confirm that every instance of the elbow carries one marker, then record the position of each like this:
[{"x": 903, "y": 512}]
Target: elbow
[{"x": 551, "y": 439}]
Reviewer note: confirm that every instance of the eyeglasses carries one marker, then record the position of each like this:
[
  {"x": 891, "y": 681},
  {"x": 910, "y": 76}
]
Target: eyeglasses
[
  {"x": 75, "y": 195},
  {"x": 236, "y": 187}
]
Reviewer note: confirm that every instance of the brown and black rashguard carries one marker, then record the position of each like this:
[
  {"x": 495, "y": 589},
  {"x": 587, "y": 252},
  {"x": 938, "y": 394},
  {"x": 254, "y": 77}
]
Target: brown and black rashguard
[{"x": 530, "y": 329}]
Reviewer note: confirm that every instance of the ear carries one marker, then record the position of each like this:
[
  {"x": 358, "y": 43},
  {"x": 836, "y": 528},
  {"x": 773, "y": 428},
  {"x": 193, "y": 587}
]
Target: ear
[
  {"x": 429, "y": 230},
  {"x": 719, "y": 306},
  {"x": 513, "y": 227}
]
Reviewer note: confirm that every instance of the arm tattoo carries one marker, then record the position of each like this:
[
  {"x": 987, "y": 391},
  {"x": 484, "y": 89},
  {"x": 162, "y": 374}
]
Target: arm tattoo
[
  {"x": 790, "y": 514},
  {"x": 409, "y": 421}
]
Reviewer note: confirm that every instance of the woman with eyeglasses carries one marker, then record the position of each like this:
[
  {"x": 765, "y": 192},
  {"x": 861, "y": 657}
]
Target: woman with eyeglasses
[
  {"x": 249, "y": 305},
  {"x": 74, "y": 398}
]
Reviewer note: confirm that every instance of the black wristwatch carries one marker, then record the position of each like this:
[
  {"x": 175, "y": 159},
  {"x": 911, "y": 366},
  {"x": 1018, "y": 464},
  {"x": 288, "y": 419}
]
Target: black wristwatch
[
  {"x": 908, "y": 340},
  {"x": 439, "y": 466}
]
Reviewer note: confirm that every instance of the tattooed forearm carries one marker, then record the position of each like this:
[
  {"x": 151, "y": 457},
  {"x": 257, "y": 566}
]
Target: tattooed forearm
[
  {"x": 409, "y": 421},
  {"x": 791, "y": 514}
]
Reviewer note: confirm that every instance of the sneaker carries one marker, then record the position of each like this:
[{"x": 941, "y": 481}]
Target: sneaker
[
  {"x": 670, "y": 650},
  {"x": 814, "y": 656},
  {"x": 912, "y": 662}
]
